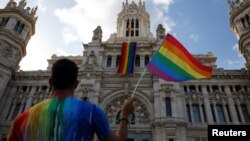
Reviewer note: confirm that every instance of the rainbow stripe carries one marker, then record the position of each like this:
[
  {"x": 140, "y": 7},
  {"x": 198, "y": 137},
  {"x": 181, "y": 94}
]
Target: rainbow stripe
[
  {"x": 69, "y": 119},
  {"x": 174, "y": 63},
  {"x": 127, "y": 58}
]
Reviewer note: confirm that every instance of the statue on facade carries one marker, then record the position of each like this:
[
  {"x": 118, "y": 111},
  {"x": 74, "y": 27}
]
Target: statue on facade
[
  {"x": 97, "y": 34},
  {"x": 160, "y": 32}
]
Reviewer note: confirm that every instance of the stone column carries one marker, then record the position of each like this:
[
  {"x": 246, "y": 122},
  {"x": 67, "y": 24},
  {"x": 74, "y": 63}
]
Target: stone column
[
  {"x": 30, "y": 99},
  {"x": 240, "y": 112},
  {"x": 191, "y": 112},
  {"x": 142, "y": 61},
  {"x": 113, "y": 63},
  {"x": 225, "y": 112},
  {"x": 207, "y": 106},
  {"x": 8, "y": 104},
  {"x": 231, "y": 106},
  {"x": 4, "y": 80},
  {"x": 201, "y": 112},
  {"x": 9, "y": 118},
  {"x": 215, "y": 112}
]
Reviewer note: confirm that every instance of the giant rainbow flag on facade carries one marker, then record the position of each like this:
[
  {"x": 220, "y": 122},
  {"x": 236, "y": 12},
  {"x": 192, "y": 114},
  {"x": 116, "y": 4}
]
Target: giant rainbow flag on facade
[
  {"x": 173, "y": 62},
  {"x": 127, "y": 58}
]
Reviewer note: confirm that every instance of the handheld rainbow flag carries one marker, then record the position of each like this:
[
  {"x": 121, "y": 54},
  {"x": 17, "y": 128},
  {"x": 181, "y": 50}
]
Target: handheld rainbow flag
[
  {"x": 127, "y": 58},
  {"x": 173, "y": 62}
]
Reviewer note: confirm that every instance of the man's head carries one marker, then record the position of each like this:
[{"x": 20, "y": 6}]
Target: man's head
[{"x": 64, "y": 74}]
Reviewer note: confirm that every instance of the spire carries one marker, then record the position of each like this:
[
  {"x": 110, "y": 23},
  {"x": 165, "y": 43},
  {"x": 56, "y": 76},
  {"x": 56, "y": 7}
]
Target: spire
[{"x": 21, "y": 6}]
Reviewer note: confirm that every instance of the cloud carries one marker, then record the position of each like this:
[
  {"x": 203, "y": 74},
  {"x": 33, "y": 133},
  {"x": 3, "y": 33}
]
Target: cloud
[
  {"x": 41, "y": 6},
  {"x": 69, "y": 36},
  {"x": 240, "y": 62},
  {"x": 85, "y": 16},
  {"x": 166, "y": 2},
  {"x": 194, "y": 37},
  {"x": 236, "y": 49}
]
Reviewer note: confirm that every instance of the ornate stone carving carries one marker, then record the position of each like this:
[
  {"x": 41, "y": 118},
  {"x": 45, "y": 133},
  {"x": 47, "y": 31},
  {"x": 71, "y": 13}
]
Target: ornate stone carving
[
  {"x": 142, "y": 115},
  {"x": 6, "y": 51},
  {"x": 91, "y": 62}
]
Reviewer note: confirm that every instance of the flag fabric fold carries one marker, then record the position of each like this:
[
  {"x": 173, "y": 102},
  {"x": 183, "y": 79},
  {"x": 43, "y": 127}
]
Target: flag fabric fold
[
  {"x": 172, "y": 62},
  {"x": 126, "y": 65}
]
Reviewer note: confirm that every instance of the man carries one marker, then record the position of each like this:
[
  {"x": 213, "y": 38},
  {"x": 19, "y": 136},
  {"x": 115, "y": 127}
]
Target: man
[{"x": 66, "y": 118}]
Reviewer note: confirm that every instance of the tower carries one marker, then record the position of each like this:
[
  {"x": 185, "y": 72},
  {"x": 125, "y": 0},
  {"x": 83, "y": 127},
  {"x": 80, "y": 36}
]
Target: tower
[
  {"x": 17, "y": 25},
  {"x": 133, "y": 22},
  {"x": 240, "y": 24}
]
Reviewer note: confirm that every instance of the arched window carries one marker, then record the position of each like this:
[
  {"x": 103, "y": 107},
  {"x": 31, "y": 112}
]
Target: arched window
[
  {"x": 131, "y": 119},
  {"x": 17, "y": 26},
  {"x": 137, "y": 28},
  {"x": 21, "y": 28},
  {"x": 137, "y": 61},
  {"x": 137, "y": 23},
  {"x": 146, "y": 61},
  {"x": 118, "y": 58},
  {"x": 6, "y": 21},
  {"x": 243, "y": 22},
  {"x": 117, "y": 117},
  {"x": 247, "y": 19},
  {"x": 127, "y": 28},
  {"x": 109, "y": 61},
  {"x": 132, "y": 28},
  {"x": 2, "y": 21}
]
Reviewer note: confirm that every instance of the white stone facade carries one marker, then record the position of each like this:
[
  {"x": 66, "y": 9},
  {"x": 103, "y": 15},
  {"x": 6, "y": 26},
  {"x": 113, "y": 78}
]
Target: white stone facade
[{"x": 164, "y": 111}]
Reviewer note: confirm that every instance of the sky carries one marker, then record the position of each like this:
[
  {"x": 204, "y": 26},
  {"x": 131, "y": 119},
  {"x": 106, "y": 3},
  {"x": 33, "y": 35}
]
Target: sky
[{"x": 62, "y": 27}]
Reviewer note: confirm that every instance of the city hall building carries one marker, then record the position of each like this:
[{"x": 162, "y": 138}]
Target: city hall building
[{"x": 164, "y": 111}]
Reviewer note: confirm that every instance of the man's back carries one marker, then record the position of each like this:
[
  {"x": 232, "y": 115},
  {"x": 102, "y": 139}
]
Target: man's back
[{"x": 68, "y": 119}]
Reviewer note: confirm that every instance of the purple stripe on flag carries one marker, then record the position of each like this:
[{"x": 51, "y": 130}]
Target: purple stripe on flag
[{"x": 153, "y": 69}]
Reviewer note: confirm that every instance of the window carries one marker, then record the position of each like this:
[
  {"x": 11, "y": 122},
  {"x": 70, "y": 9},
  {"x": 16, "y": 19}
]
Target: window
[
  {"x": 185, "y": 88},
  {"x": 118, "y": 58},
  {"x": 220, "y": 112},
  {"x": 16, "y": 111},
  {"x": 4, "y": 21},
  {"x": 137, "y": 23},
  {"x": 247, "y": 19},
  {"x": 245, "y": 113},
  {"x": 215, "y": 88},
  {"x": 188, "y": 113},
  {"x": 168, "y": 107},
  {"x": 146, "y": 60},
  {"x": 243, "y": 22},
  {"x": 192, "y": 88},
  {"x": 204, "y": 113},
  {"x": 237, "y": 88},
  {"x": 117, "y": 117},
  {"x": 208, "y": 89},
  {"x": 127, "y": 28},
  {"x": 109, "y": 61},
  {"x": 19, "y": 27},
  {"x": 137, "y": 61},
  {"x": 196, "y": 113},
  {"x": 132, "y": 121},
  {"x": 212, "y": 110}
]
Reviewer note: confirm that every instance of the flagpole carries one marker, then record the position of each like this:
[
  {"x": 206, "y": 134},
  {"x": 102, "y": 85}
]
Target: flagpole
[{"x": 138, "y": 82}]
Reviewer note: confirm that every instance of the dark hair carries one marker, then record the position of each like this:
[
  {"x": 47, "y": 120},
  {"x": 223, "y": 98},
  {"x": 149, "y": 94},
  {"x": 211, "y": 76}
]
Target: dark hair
[{"x": 64, "y": 73}]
